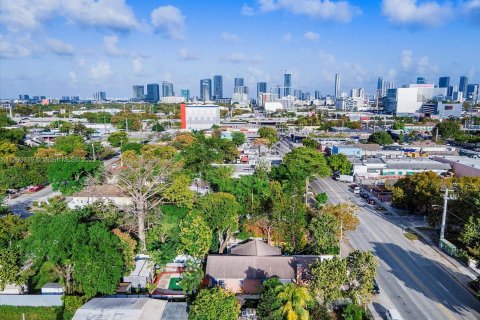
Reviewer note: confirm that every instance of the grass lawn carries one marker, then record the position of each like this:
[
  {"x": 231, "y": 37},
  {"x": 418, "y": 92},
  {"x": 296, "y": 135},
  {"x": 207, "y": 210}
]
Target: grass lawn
[
  {"x": 31, "y": 313},
  {"x": 174, "y": 284}
]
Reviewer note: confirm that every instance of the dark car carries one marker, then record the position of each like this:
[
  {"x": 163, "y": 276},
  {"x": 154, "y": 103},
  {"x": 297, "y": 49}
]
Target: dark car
[{"x": 376, "y": 288}]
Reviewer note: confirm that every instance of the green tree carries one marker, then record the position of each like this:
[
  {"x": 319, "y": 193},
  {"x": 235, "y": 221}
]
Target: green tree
[
  {"x": 344, "y": 213},
  {"x": 179, "y": 192},
  {"x": 13, "y": 135},
  {"x": 268, "y": 133},
  {"x": 294, "y": 301},
  {"x": 238, "y": 138},
  {"x": 195, "y": 236},
  {"x": 117, "y": 139},
  {"x": 134, "y": 146},
  {"x": 192, "y": 277},
  {"x": 158, "y": 127},
  {"x": 328, "y": 277},
  {"x": 353, "y": 312},
  {"x": 380, "y": 137},
  {"x": 12, "y": 229},
  {"x": 310, "y": 143},
  {"x": 269, "y": 304},
  {"x": 398, "y": 126},
  {"x": 321, "y": 198},
  {"x": 361, "y": 266},
  {"x": 324, "y": 234},
  {"x": 5, "y": 121},
  {"x": 69, "y": 143},
  {"x": 69, "y": 176},
  {"x": 302, "y": 163},
  {"x": 98, "y": 264},
  {"x": 7, "y": 149},
  {"x": 447, "y": 129},
  {"x": 214, "y": 303},
  {"x": 339, "y": 162},
  {"x": 11, "y": 268},
  {"x": 220, "y": 211}
]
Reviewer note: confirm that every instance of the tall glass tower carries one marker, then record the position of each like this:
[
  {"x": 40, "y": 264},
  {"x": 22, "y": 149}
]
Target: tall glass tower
[
  {"x": 206, "y": 89},
  {"x": 153, "y": 92},
  {"x": 463, "y": 85},
  {"x": 238, "y": 82},
  {"x": 217, "y": 87},
  {"x": 261, "y": 87},
  {"x": 444, "y": 82},
  {"x": 337, "y": 86},
  {"x": 287, "y": 84}
]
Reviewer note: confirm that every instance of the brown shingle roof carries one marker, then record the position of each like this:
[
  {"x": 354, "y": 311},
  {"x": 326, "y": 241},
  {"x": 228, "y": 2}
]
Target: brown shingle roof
[
  {"x": 253, "y": 267},
  {"x": 255, "y": 247}
]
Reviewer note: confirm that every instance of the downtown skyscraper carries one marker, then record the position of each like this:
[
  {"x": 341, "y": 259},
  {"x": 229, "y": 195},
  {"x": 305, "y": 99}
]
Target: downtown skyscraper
[
  {"x": 337, "y": 86},
  {"x": 463, "y": 85},
  {"x": 287, "y": 84},
  {"x": 206, "y": 90},
  {"x": 261, "y": 88},
  {"x": 153, "y": 92},
  {"x": 444, "y": 82},
  {"x": 217, "y": 87},
  {"x": 167, "y": 89}
]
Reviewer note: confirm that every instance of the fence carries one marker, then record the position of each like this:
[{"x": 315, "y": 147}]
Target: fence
[{"x": 31, "y": 300}]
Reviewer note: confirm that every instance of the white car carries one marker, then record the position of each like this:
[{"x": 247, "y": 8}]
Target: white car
[{"x": 393, "y": 314}]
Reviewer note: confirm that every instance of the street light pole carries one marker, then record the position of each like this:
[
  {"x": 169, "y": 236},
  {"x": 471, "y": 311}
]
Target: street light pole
[{"x": 444, "y": 214}]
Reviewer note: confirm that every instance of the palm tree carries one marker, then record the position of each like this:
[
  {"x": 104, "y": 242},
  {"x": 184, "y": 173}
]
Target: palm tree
[
  {"x": 192, "y": 277},
  {"x": 294, "y": 300}
]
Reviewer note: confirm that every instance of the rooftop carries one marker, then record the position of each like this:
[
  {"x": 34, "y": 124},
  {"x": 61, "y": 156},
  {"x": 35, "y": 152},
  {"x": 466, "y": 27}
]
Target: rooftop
[
  {"x": 255, "y": 247},
  {"x": 102, "y": 190}
]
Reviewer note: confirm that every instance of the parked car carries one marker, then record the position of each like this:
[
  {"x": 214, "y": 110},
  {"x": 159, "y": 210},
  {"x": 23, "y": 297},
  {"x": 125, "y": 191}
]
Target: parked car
[
  {"x": 376, "y": 288},
  {"x": 370, "y": 201},
  {"x": 36, "y": 188}
]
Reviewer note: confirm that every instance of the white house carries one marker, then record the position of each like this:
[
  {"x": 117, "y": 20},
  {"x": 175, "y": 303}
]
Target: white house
[{"x": 103, "y": 193}]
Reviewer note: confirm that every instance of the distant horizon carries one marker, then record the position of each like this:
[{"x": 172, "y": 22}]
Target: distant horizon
[{"x": 76, "y": 48}]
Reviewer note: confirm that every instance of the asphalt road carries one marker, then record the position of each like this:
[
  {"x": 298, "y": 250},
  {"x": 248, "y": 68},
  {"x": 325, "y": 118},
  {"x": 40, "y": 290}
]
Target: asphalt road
[{"x": 409, "y": 280}]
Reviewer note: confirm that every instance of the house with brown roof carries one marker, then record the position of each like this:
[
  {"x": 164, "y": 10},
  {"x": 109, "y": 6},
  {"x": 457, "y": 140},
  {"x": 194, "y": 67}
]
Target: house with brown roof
[{"x": 249, "y": 264}]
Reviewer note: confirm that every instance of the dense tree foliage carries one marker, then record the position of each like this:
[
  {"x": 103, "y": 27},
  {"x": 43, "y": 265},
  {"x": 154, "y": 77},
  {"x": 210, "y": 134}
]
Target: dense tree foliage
[
  {"x": 380, "y": 137},
  {"x": 447, "y": 129},
  {"x": 68, "y": 176},
  {"x": 118, "y": 138},
  {"x": 214, "y": 303},
  {"x": 268, "y": 133},
  {"x": 195, "y": 236},
  {"x": 310, "y": 143},
  {"x": 339, "y": 162},
  {"x": 238, "y": 138},
  {"x": 269, "y": 304},
  {"x": 294, "y": 300}
]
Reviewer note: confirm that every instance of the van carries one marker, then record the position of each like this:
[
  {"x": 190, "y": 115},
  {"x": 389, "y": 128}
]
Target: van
[{"x": 393, "y": 314}]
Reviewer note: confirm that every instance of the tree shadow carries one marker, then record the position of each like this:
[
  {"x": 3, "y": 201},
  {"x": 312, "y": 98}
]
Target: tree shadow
[{"x": 443, "y": 297}]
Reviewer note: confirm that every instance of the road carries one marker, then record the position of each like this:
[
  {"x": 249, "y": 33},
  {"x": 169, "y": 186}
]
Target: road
[{"x": 409, "y": 280}]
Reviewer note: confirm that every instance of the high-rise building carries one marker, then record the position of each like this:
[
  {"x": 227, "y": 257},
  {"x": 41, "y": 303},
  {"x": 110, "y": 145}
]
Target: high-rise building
[
  {"x": 318, "y": 95},
  {"x": 337, "y": 86},
  {"x": 421, "y": 80},
  {"x": 306, "y": 96},
  {"x": 381, "y": 87},
  {"x": 167, "y": 89},
  {"x": 217, "y": 87},
  {"x": 297, "y": 93},
  {"x": 443, "y": 82},
  {"x": 206, "y": 89},
  {"x": 463, "y": 85},
  {"x": 186, "y": 94},
  {"x": 153, "y": 92},
  {"x": 287, "y": 84},
  {"x": 261, "y": 88},
  {"x": 238, "y": 82},
  {"x": 472, "y": 93},
  {"x": 390, "y": 85},
  {"x": 138, "y": 92},
  {"x": 450, "y": 91},
  {"x": 100, "y": 96}
]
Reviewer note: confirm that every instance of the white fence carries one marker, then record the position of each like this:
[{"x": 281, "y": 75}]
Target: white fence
[{"x": 31, "y": 300}]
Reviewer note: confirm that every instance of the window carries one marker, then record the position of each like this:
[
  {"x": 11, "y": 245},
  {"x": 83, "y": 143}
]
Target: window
[{"x": 221, "y": 283}]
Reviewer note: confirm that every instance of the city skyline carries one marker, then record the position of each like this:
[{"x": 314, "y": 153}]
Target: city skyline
[{"x": 112, "y": 45}]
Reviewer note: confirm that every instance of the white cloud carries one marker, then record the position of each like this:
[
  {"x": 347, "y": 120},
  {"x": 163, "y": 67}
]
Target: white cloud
[
  {"x": 61, "y": 48},
  {"x": 240, "y": 57},
  {"x": 327, "y": 58},
  {"x": 17, "y": 48},
  {"x": 187, "y": 55},
  {"x": 26, "y": 14},
  {"x": 247, "y": 10},
  {"x": 101, "y": 70},
  {"x": 325, "y": 10},
  {"x": 230, "y": 36},
  {"x": 110, "y": 43},
  {"x": 471, "y": 10},
  {"x": 406, "y": 59},
  {"x": 169, "y": 21},
  {"x": 287, "y": 37},
  {"x": 311, "y": 36},
  {"x": 137, "y": 66},
  {"x": 409, "y": 12},
  {"x": 424, "y": 67}
]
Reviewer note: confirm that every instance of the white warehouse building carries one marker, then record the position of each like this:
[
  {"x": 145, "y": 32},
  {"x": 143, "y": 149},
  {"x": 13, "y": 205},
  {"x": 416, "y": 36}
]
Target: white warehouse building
[
  {"x": 409, "y": 100},
  {"x": 199, "y": 117}
]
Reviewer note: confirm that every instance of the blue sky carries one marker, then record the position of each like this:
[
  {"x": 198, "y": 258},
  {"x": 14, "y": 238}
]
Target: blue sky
[{"x": 77, "y": 47}]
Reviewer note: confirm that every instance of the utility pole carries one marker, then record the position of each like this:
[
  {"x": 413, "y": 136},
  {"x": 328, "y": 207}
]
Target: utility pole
[
  {"x": 341, "y": 236},
  {"x": 306, "y": 191},
  {"x": 444, "y": 214},
  {"x": 93, "y": 150}
]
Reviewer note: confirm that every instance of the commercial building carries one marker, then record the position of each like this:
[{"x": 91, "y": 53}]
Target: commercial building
[
  {"x": 318, "y": 95},
  {"x": 337, "y": 86},
  {"x": 100, "y": 96},
  {"x": 381, "y": 87},
  {"x": 448, "y": 109},
  {"x": 261, "y": 88},
  {"x": 172, "y": 99},
  {"x": 421, "y": 80},
  {"x": 167, "y": 89},
  {"x": 185, "y": 93},
  {"x": 138, "y": 92},
  {"x": 287, "y": 84},
  {"x": 463, "y": 85},
  {"x": 153, "y": 92},
  {"x": 409, "y": 100},
  {"x": 238, "y": 82},
  {"x": 444, "y": 82},
  {"x": 206, "y": 90},
  {"x": 199, "y": 117},
  {"x": 217, "y": 87},
  {"x": 240, "y": 92},
  {"x": 472, "y": 93}
]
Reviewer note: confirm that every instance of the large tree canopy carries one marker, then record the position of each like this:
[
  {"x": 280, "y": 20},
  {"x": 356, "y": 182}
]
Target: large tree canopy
[{"x": 216, "y": 304}]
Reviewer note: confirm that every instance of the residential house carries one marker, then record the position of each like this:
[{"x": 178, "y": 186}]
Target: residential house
[
  {"x": 106, "y": 193},
  {"x": 249, "y": 264}
]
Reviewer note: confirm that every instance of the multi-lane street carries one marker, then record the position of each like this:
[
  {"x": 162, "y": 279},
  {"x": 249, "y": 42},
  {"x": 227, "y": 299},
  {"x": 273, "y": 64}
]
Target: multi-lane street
[{"x": 409, "y": 279}]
